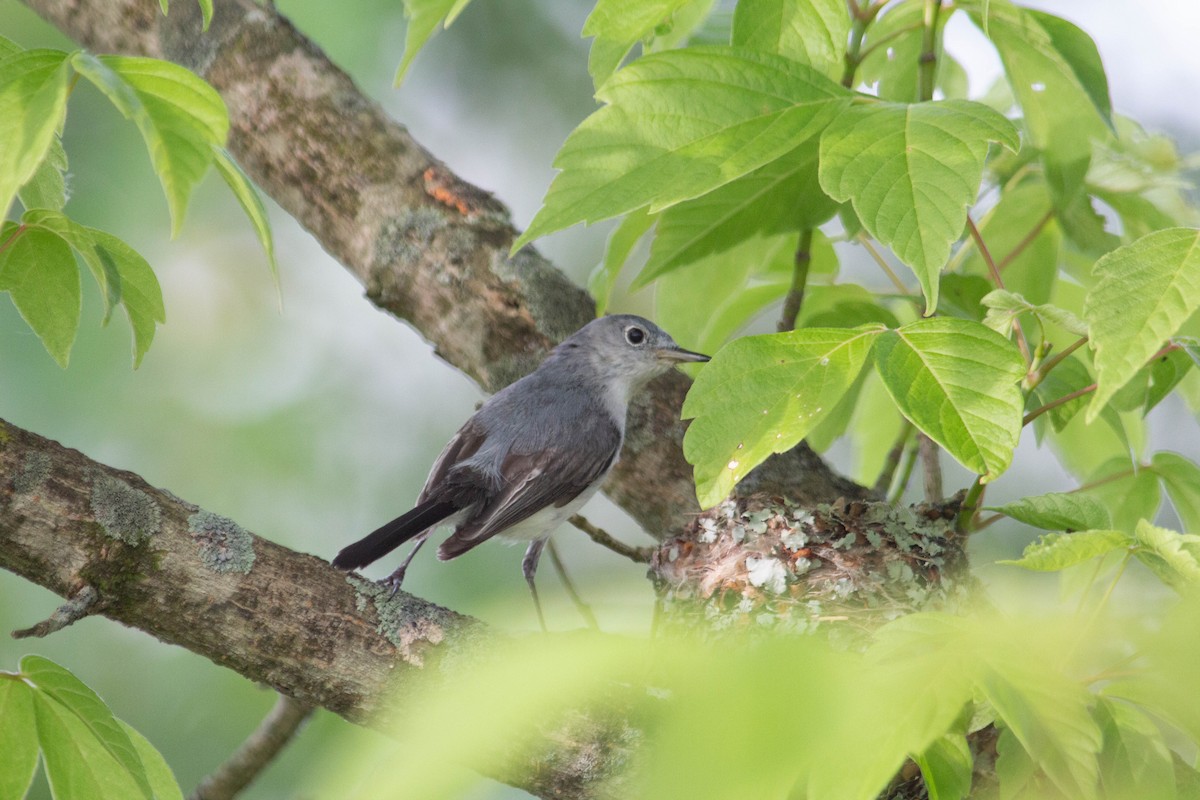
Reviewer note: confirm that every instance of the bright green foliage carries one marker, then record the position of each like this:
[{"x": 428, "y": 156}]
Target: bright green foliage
[
  {"x": 206, "y": 10},
  {"x": 911, "y": 171},
  {"x": 1146, "y": 291},
  {"x": 617, "y": 250},
  {"x": 762, "y": 395},
  {"x": 88, "y": 753},
  {"x": 1134, "y": 759},
  {"x": 681, "y": 123},
  {"x": 250, "y": 202},
  {"x": 1057, "y": 551},
  {"x": 1058, "y": 512},
  {"x": 180, "y": 117},
  {"x": 894, "y": 65},
  {"x": 780, "y": 197},
  {"x": 617, "y": 25},
  {"x": 33, "y": 101},
  {"x": 1028, "y": 265},
  {"x": 946, "y": 766},
  {"x": 423, "y": 18},
  {"x": 39, "y": 273},
  {"x": 1174, "y": 557},
  {"x": 1003, "y": 307},
  {"x": 48, "y": 187},
  {"x": 812, "y": 33},
  {"x": 1181, "y": 478},
  {"x": 956, "y": 381}
]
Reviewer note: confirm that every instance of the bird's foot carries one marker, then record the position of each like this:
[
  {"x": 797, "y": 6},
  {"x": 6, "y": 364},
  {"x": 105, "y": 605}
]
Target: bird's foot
[{"x": 392, "y": 582}]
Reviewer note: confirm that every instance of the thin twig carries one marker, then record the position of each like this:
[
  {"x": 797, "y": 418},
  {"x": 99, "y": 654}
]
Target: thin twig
[
  {"x": 16, "y": 233},
  {"x": 905, "y": 474},
  {"x": 638, "y": 554},
  {"x": 884, "y": 481},
  {"x": 1058, "y": 359},
  {"x": 70, "y": 612},
  {"x": 931, "y": 467},
  {"x": 1024, "y": 243},
  {"x": 585, "y": 610},
  {"x": 865, "y": 241},
  {"x": 1022, "y": 342},
  {"x": 970, "y": 505},
  {"x": 1116, "y": 476},
  {"x": 927, "y": 65},
  {"x": 254, "y": 754},
  {"x": 1053, "y": 404},
  {"x": 795, "y": 295}
]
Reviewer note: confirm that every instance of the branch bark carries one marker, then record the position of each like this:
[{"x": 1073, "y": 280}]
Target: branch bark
[
  {"x": 192, "y": 578},
  {"x": 429, "y": 247}
]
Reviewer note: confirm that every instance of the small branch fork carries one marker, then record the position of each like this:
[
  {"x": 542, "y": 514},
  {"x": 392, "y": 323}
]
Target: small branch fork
[
  {"x": 70, "y": 612},
  {"x": 600, "y": 537}
]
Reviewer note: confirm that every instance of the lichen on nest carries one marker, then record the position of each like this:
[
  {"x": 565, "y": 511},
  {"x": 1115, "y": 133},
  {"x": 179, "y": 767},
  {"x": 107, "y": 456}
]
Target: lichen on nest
[{"x": 846, "y": 567}]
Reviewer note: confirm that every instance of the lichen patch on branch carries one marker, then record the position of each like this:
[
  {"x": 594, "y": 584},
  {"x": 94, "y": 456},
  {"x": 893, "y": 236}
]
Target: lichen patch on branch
[
  {"x": 224, "y": 545},
  {"x": 124, "y": 512}
]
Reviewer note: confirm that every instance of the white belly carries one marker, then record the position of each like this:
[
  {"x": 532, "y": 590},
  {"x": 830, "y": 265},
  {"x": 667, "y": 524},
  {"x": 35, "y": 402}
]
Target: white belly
[{"x": 545, "y": 522}]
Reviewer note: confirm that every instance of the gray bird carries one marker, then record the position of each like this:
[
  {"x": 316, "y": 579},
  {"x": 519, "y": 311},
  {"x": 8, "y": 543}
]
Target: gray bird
[{"x": 535, "y": 452}]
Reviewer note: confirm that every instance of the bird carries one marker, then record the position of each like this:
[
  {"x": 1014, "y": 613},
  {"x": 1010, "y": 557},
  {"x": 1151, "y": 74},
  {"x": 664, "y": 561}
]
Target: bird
[{"x": 534, "y": 452}]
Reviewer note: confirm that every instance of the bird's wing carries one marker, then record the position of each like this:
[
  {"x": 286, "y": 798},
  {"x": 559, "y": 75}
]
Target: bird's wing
[
  {"x": 466, "y": 443},
  {"x": 533, "y": 481}
]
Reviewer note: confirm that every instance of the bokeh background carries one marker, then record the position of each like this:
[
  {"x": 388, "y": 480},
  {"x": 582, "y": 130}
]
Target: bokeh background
[{"x": 313, "y": 421}]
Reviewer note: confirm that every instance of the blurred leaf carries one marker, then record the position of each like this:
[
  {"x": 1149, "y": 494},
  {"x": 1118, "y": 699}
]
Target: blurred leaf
[
  {"x": 39, "y": 273},
  {"x": 1048, "y": 714},
  {"x": 33, "y": 102},
  {"x": 627, "y": 20},
  {"x": 1134, "y": 760},
  {"x": 1005, "y": 306},
  {"x": 1069, "y": 375},
  {"x": 1029, "y": 265},
  {"x": 1170, "y": 555},
  {"x": 48, "y": 187},
  {"x": 911, "y": 171},
  {"x": 875, "y": 425},
  {"x": 74, "y": 697},
  {"x": 1181, "y": 478},
  {"x": 957, "y": 382},
  {"x": 617, "y": 249},
  {"x": 895, "y": 64},
  {"x": 1058, "y": 512},
  {"x": 78, "y": 765},
  {"x": 812, "y": 33},
  {"x": 18, "y": 738},
  {"x": 181, "y": 118},
  {"x": 1152, "y": 383},
  {"x": 251, "y": 203},
  {"x": 206, "y": 10},
  {"x": 718, "y": 113},
  {"x": 158, "y": 772},
  {"x": 962, "y": 295},
  {"x": 947, "y": 767},
  {"x": 1081, "y": 55},
  {"x": 605, "y": 58},
  {"x": 762, "y": 395},
  {"x": 422, "y": 18},
  {"x": 1146, "y": 291},
  {"x": 1133, "y": 497},
  {"x": 123, "y": 275},
  {"x": 1057, "y": 551},
  {"x": 782, "y": 196},
  {"x": 828, "y": 430}
]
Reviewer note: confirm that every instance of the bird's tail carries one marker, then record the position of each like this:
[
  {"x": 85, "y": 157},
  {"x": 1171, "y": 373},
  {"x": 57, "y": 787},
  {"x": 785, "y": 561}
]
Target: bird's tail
[{"x": 395, "y": 533}]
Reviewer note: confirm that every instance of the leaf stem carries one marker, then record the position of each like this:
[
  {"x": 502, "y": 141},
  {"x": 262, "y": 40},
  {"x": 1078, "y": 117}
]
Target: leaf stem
[
  {"x": 884, "y": 481},
  {"x": 883, "y": 40},
  {"x": 970, "y": 505},
  {"x": 1116, "y": 476},
  {"x": 1044, "y": 370},
  {"x": 795, "y": 295},
  {"x": 599, "y": 536},
  {"x": 927, "y": 66},
  {"x": 1022, "y": 342},
  {"x": 1053, "y": 404},
  {"x": 906, "y": 471},
  {"x": 21, "y": 228},
  {"x": 1025, "y": 242},
  {"x": 865, "y": 241},
  {"x": 931, "y": 467},
  {"x": 861, "y": 17}
]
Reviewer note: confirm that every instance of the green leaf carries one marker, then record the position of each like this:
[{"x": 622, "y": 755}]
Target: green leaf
[
  {"x": 1005, "y": 306},
  {"x": 605, "y": 58},
  {"x": 681, "y": 123},
  {"x": 251, "y": 203},
  {"x": 1131, "y": 498},
  {"x": 1070, "y": 375},
  {"x": 123, "y": 275},
  {"x": 1181, "y": 478},
  {"x": 48, "y": 187},
  {"x": 628, "y": 20},
  {"x": 422, "y": 18},
  {"x": 894, "y": 66},
  {"x": 1057, "y": 551},
  {"x": 616, "y": 252},
  {"x": 33, "y": 102},
  {"x": 18, "y": 738},
  {"x": 40, "y": 274},
  {"x": 1134, "y": 759},
  {"x": 946, "y": 766},
  {"x": 780, "y": 197},
  {"x": 1146, "y": 291},
  {"x": 158, "y": 772},
  {"x": 956, "y": 380},
  {"x": 74, "y": 697},
  {"x": 1170, "y": 555},
  {"x": 77, "y": 764},
  {"x": 1059, "y": 112},
  {"x": 812, "y": 33},
  {"x": 181, "y": 118},
  {"x": 911, "y": 171},
  {"x": 962, "y": 295},
  {"x": 761, "y": 395},
  {"x": 1152, "y": 383},
  {"x": 1081, "y": 55},
  {"x": 1058, "y": 512},
  {"x": 1048, "y": 714}
]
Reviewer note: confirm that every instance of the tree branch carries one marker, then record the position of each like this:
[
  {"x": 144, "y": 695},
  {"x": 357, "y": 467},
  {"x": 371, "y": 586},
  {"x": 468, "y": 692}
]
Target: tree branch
[
  {"x": 192, "y": 578},
  {"x": 429, "y": 247}
]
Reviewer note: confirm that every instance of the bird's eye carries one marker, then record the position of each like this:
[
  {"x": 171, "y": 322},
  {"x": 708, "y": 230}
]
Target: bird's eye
[{"x": 635, "y": 335}]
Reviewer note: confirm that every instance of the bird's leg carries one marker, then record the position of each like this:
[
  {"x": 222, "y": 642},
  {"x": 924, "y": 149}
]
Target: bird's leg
[
  {"x": 397, "y": 577},
  {"x": 529, "y": 567},
  {"x": 585, "y": 611}
]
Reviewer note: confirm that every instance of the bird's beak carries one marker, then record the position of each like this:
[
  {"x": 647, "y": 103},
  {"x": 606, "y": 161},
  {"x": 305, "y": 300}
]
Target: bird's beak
[{"x": 679, "y": 355}]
